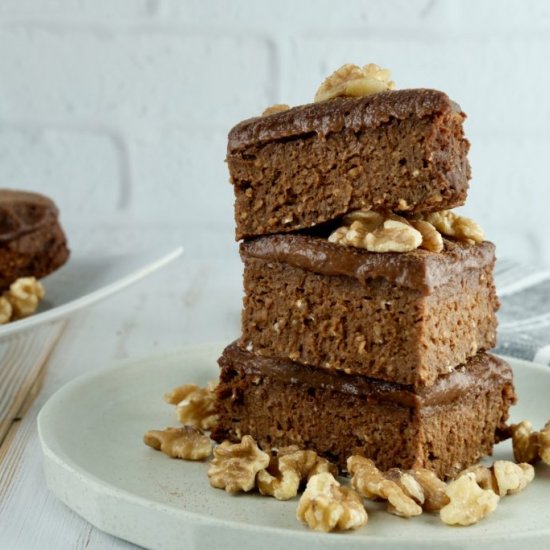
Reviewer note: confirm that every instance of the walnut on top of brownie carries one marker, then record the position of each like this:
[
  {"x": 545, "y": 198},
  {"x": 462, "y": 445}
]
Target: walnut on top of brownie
[{"x": 388, "y": 232}]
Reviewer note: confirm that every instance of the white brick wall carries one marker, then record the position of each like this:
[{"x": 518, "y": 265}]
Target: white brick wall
[{"x": 119, "y": 109}]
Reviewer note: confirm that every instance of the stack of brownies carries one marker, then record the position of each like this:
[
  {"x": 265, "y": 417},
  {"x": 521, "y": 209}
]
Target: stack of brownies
[{"x": 369, "y": 308}]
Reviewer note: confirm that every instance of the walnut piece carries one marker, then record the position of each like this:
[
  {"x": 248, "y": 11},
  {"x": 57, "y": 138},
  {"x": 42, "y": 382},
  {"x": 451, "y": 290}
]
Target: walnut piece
[
  {"x": 531, "y": 446},
  {"x": 393, "y": 236},
  {"x": 187, "y": 442},
  {"x": 453, "y": 225},
  {"x": 469, "y": 503},
  {"x": 435, "y": 496},
  {"x": 288, "y": 469},
  {"x": 353, "y": 81},
  {"x": 483, "y": 475},
  {"x": 544, "y": 443},
  {"x": 277, "y": 108},
  {"x": 377, "y": 232},
  {"x": 370, "y": 219},
  {"x": 512, "y": 478},
  {"x": 24, "y": 295},
  {"x": 234, "y": 466},
  {"x": 408, "y": 484},
  {"x": 6, "y": 311},
  {"x": 525, "y": 442},
  {"x": 326, "y": 506},
  {"x": 371, "y": 483},
  {"x": 431, "y": 238},
  {"x": 194, "y": 406},
  {"x": 503, "y": 477},
  {"x": 389, "y": 232}
]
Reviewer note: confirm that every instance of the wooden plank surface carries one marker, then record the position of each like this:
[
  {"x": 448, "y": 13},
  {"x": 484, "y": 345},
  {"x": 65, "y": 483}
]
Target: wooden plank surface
[
  {"x": 22, "y": 364},
  {"x": 189, "y": 302}
]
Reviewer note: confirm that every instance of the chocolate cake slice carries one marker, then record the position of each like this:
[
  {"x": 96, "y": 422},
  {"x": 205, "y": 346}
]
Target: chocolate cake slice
[
  {"x": 32, "y": 242},
  {"x": 398, "y": 150},
  {"x": 445, "y": 428},
  {"x": 400, "y": 317}
]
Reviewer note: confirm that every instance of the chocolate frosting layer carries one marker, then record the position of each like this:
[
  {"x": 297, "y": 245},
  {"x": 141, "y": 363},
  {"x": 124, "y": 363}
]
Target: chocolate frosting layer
[
  {"x": 480, "y": 372},
  {"x": 22, "y": 212},
  {"x": 420, "y": 269},
  {"x": 342, "y": 112}
]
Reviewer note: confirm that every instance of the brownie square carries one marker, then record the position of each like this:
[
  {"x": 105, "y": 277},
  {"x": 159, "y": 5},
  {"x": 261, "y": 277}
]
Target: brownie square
[
  {"x": 401, "y": 317},
  {"x": 32, "y": 241},
  {"x": 445, "y": 428},
  {"x": 398, "y": 150}
]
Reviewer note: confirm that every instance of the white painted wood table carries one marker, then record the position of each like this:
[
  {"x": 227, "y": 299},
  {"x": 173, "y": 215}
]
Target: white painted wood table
[{"x": 189, "y": 302}]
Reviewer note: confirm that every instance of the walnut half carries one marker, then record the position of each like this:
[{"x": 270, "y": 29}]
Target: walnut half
[
  {"x": 187, "y": 442},
  {"x": 195, "y": 406},
  {"x": 469, "y": 503},
  {"x": 21, "y": 300},
  {"x": 234, "y": 466},
  {"x": 529, "y": 445},
  {"x": 288, "y": 469},
  {"x": 389, "y": 232},
  {"x": 544, "y": 443},
  {"x": 503, "y": 477},
  {"x": 371, "y": 483},
  {"x": 326, "y": 506},
  {"x": 353, "y": 81}
]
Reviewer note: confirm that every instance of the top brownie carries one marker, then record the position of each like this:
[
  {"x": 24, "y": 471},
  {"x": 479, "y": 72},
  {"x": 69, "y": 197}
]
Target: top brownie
[{"x": 397, "y": 150}]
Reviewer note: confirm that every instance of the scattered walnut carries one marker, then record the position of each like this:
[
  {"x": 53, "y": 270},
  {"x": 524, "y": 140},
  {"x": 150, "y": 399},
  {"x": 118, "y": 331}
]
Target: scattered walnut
[
  {"x": 525, "y": 442},
  {"x": 194, "y": 406},
  {"x": 188, "y": 442},
  {"x": 503, "y": 477},
  {"x": 277, "y": 108},
  {"x": 453, "y": 225},
  {"x": 435, "y": 496},
  {"x": 469, "y": 503},
  {"x": 393, "y": 236},
  {"x": 544, "y": 443},
  {"x": 288, "y": 469},
  {"x": 234, "y": 466},
  {"x": 531, "y": 446},
  {"x": 512, "y": 478},
  {"x": 325, "y": 505},
  {"x": 6, "y": 310},
  {"x": 408, "y": 484},
  {"x": 354, "y": 81},
  {"x": 431, "y": 238},
  {"x": 484, "y": 477},
  {"x": 24, "y": 295},
  {"x": 371, "y": 483}
]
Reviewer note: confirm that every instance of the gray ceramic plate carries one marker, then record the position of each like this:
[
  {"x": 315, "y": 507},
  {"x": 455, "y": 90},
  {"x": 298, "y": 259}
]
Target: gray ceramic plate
[{"x": 95, "y": 462}]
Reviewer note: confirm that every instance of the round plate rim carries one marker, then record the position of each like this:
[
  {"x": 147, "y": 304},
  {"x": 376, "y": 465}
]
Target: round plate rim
[{"x": 95, "y": 483}]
